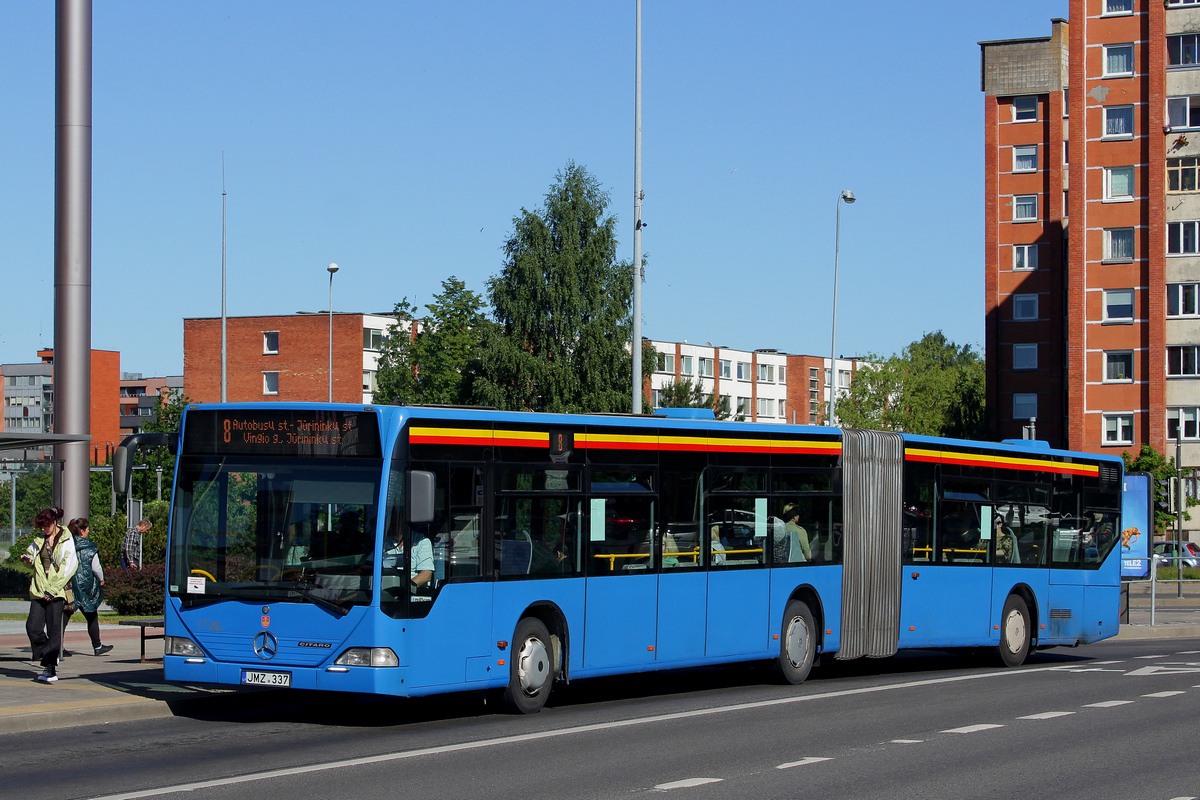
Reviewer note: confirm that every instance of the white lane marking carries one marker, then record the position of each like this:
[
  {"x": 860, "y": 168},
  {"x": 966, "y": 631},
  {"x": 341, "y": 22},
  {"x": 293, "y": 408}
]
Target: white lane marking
[
  {"x": 973, "y": 728},
  {"x": 1090, "y": 669},
  {"x": 908, "y": 741},
  {"x": 1103, "y": 663},
  {"x": 803, "y": 762},
  {"x": 1188, "y": 652},
  {"x": 1185, "y": 798},
  {"x": 687, "y": 783},
  {"x": 1164, "y": 669},
  {"x": 1164, "y": 655},
  {"x": 1048, "y": 715},
  {"x": 1109, "y": 704},
  {"x": 1163, "y": 694},
  {"x": 551, "y": 734}
]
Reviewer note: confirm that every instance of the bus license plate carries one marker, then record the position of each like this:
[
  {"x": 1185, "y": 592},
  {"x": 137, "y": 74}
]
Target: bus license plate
[{"x": 259, "y": 678}]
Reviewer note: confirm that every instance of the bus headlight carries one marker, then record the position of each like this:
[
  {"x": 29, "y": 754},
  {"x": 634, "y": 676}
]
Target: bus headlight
[
  {"x": 180, "y": 646},
  {"x": 368, "y": 657}
]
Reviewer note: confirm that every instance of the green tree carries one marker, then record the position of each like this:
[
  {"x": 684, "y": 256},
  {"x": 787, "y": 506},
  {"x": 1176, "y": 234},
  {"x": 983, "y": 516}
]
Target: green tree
[
  {"x": 933, "y": 387},
  {"x": 687, "y": 393},
  {"x": 441, "y": 365},
  {"x": 1162, "y": 470},
  {"x": 562, "y": 304}
]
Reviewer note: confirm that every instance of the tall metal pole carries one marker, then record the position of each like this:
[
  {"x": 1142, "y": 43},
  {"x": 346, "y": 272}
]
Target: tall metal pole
[
  {"x": 848, "y": 197},
  {"x": 224, "y": 336},
  {"x": 1180, "y": 504},
  {"x": 332, "y": 269},
  {"x": 637, "y": 216},
  {"x": 73, "y": 248}
]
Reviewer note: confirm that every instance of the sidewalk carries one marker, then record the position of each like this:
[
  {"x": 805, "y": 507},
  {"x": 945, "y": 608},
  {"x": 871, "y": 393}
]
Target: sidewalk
[{"x": 116, "y": 687}]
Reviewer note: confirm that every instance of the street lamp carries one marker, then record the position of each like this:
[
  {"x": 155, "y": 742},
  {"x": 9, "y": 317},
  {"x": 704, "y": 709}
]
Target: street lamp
[
  {"x": 846, "y": 196},
  {"x": 332, "y": 269}
]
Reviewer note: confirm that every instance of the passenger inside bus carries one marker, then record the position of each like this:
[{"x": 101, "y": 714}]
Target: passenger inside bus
[{"x": 795, "y": 546}]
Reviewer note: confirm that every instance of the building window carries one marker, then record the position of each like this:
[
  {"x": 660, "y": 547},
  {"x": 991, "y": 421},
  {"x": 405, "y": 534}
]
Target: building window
[
  {"x": 1118, "y": 244},
  {"x": 1025, "y": 158},
  {"x": 1181, "y": 174},
  {"x": 1118, "y": 7},
  {"x": 782, "y": 374},
  {"x": 1182, "y": 50},
  {"x": 373, "y": 339},
  {"x": 685, "y": 365},
  {"x": 270, "y": 343},
  {"x": 369, "y": 380},
  {"x": 1025, "y": 306},
  {"x": 782, "y": 413},
  {"x": 1118, "y": 60},
  {"x": 743, "y": 370},
  {"x": 1118, "y": 183},
  {"x": 270, "y": 383},
  {"x": 723, "y": 404},
  {"x": 1118, "y": 428},
  {"x": 1183, "y": 112},
  {"x": 1118, "y": 366},
  {"x": 1187, "y": 417},
  {"x": 766, "y": 373},
  {"x": 656, "y": 398},
  {"x": 1025, "y": 356},
  {"x": 743, "y": 406},
  {"x": 1118, "y": 305},
  {"x": 1181, "y": 299},
  {"x": 665, "y": 362},
  {"x": 706, "y": 367},
  {"x": 1183, "y": 238},
  {"x": 766, "y": 407},
  {"x": 1181, "y": 361},
  {"x": 725, "y": 366},
  {"x": 1118, "y": 122},
  {"x": 1025, "y": 256},
  {"x": 1024, "y": 405},
  {"x": 1025, "y": 208},
  {"x": 1025, "y": 109},
  {"x": 1172, "y": 3}
]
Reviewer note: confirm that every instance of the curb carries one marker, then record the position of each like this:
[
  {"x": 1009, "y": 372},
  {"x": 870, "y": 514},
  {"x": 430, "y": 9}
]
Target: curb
[
  {"x": 121, "y": 711},
  {"x": 1133, "y": 632}
]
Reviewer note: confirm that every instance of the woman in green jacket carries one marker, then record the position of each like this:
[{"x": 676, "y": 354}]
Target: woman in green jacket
[
  {"x": 52, "y": 556},
  {"x": 88, "y": 584}
]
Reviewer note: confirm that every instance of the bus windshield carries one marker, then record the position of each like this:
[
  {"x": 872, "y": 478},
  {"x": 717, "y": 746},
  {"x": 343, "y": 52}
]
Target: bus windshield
[{"x": 274, "y": 529}]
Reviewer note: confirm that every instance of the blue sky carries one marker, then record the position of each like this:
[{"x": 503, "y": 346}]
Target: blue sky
[{"x": 399, "y": 139}]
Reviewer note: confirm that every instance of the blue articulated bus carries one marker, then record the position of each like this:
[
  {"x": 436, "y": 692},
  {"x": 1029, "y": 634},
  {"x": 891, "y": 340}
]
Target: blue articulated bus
[{"x": 416, "y": 550}]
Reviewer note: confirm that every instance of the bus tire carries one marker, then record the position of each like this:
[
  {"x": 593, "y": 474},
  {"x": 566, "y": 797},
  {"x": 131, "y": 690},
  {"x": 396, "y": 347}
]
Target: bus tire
[
  {"x": 797, "y": 643},
  {"x": 1014, "y": 632},
  {"x": 531, "y": 667}
]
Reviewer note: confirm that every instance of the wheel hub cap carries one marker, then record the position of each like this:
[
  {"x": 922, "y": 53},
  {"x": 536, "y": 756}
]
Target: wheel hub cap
[
  {"x": 796, "y": 645},
  {"x": 533, "y": 666},
  {"x": 1014, "y": 631}
]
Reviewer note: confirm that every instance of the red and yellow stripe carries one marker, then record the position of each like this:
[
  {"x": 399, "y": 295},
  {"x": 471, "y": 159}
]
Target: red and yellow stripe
[
  {"x": 1005, "y": 462},
  {"x": 623, "y": 441}
]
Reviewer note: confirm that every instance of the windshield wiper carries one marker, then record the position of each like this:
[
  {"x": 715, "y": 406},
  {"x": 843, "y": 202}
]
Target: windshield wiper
[{"x": 328, "y": 605}]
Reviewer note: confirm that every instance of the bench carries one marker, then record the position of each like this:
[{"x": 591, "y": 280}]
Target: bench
[{"x": 144, "y": 624}]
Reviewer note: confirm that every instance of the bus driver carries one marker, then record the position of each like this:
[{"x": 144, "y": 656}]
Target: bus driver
[{"x": 421, "y": 569}]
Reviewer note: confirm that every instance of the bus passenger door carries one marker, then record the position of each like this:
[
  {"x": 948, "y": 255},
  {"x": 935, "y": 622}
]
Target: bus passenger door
[
  {"x": 738, "y": 580},
  {"x": 622, "y": 587},
  {"x": 682, "y": 588}
]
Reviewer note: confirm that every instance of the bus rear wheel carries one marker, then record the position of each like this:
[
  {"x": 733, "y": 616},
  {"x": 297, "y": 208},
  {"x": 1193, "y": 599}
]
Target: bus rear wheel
[
  {"x": 1014, "y": 632},
  {"x": 531, "y": 667},
  {"x": 797, "y": 646}
]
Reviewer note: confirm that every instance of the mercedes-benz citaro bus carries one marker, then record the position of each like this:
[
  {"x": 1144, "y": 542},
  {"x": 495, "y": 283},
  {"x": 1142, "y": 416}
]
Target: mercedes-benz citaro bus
[{"x": 416, "y": 550}]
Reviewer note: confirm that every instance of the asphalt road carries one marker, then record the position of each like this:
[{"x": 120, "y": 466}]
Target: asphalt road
[{"x": 1113, "y": 720}]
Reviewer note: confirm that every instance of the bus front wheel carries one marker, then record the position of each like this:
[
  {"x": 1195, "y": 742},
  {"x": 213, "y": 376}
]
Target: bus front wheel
[
  {"x": 797, "y": 647},
  {"x": 1014, "y": 632},
  {"x": 531, "y": 667}
]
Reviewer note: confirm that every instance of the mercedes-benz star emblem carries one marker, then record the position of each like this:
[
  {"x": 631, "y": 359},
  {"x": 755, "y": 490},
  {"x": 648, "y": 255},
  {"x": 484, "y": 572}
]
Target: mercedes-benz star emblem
[{"x": 265, "y": 645}]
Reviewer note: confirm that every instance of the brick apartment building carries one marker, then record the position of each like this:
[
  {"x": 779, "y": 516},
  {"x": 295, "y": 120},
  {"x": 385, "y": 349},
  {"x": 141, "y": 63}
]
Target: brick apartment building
[
  {"x": 273, "y": 358},
  {"x": 1093, "y": 228},
  {"x": 29, "y": 399},
  {"x": 140, "y": 398},
  {"x": 759, "y": 385}
]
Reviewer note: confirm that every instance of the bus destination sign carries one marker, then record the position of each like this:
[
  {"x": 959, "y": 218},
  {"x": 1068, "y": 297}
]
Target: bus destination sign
[{"x": 283, "y": 432}]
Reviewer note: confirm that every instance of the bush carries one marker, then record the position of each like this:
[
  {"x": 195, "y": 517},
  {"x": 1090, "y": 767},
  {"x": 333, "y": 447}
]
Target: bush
[
  {"x": 18, "y": 548},
  {"x": 136, "y": 592},
  {"x": 14, "y": 580}
]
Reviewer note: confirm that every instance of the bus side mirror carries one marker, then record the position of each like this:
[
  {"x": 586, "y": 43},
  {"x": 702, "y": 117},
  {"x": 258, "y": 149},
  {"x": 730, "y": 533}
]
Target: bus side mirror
[
  {"x": 421, "y": 487},
  {"x": 122, "y": 468}
]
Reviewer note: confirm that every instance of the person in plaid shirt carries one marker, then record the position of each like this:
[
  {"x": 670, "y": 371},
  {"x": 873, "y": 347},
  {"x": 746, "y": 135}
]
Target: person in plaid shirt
[{"x": 131, "y": 545}]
